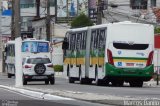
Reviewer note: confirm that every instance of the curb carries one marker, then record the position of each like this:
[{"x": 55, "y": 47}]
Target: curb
[{"x": 35, "y": 94}]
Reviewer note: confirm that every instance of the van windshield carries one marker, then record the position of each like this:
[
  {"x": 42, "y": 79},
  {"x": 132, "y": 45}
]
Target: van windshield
[{"x": 130, "y": 46}]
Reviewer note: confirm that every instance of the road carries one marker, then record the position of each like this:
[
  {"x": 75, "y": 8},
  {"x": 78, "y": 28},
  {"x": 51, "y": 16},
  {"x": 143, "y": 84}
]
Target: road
[
  {"x": 62, "y": 84},
  {"x": 10, "y": 98}
]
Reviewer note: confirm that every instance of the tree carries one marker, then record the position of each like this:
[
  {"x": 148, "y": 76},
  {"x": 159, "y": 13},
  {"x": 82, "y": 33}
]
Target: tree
[
  {"x": 81, "y": 21},
  {"x": 157, "y": 30}
]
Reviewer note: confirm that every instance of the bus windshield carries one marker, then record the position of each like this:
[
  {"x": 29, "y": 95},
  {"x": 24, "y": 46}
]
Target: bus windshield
[{"x": 35, "y": 46}]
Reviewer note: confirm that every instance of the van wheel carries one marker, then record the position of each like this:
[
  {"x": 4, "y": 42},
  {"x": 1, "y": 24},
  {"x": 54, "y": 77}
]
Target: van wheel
[
  {"x": 24, "y": 82},
  {"x": 46, "y": 82},
  {"x": 52, "y": 81},
  {"x": 9, "y": 75}
]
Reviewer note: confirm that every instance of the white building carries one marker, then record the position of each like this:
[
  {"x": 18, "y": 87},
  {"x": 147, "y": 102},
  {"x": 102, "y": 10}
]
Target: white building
[{"x": 39, "y": 27}]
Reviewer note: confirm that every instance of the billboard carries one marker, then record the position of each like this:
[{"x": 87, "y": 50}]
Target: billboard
[
  {"x": 66, "y": 10},
  {"x": 72, "y": 8},
  {"x": 6, "y": 7},
  {"x": 61, "y": 8},
  {"x": 83, "y": 6}
]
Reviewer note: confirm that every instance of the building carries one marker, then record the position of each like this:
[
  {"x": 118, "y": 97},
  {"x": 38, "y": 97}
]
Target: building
[
  {"x": 133, "y": 10},
  {"x": 6, "y": 20},
  {"x": 27, "y": 12}
]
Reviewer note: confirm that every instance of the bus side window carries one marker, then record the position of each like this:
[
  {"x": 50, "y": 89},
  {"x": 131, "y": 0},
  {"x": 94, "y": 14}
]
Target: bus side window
[
  {"x": 102, "y": 39},
  {"x": 84, "y": 37},
  {"x": 73, "y": 42},
  {"x": 78, "y": 42}
]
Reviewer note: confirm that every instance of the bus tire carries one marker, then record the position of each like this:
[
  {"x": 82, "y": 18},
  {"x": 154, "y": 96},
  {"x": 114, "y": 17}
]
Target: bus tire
[
  {"x": 136, "y": 83},
  {"x": 71, "y": 80}
]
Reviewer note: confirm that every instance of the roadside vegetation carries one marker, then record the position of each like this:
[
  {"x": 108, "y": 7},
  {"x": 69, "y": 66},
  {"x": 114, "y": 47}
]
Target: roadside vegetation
[
  {"x": 157, "y": 30},
  {"x": 81, "y": 21},
  {"x": 58, "y": 68}
]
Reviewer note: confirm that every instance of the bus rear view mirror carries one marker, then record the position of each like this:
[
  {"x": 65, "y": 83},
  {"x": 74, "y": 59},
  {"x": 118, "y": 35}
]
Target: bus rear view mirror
[
  {"x": 5, "y": 49},
  {"x": 65, "y": 44}
]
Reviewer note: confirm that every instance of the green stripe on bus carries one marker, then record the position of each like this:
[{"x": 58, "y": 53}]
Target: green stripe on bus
[{"x": 135, "y": 58}]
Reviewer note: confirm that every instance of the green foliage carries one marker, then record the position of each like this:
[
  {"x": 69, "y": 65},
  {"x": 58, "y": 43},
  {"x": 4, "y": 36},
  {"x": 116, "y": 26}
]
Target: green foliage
[
  {"x": 157, "y": 30},
  {"x": 58, "y": 68},
  {"x": 81, "y": 21}
]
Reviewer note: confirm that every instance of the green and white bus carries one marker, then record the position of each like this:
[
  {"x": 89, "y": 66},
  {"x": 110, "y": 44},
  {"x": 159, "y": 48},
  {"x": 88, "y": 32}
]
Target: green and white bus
[{"x": 116, "y": 52}]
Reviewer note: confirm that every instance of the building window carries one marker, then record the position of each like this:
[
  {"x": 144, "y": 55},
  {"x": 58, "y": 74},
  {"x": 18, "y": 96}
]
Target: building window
[
  {"x": 138, "y": 4},
  {"x": 153, "y": 3}
]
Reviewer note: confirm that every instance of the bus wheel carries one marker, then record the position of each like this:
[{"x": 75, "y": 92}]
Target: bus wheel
[
  {"x": 140, "y": 84},
  {"x": 120, "y": 83},
  {"x": 136, "y": 83},
  {"x": 71, "y": 80},
  {"x": 114, "y": 83}
]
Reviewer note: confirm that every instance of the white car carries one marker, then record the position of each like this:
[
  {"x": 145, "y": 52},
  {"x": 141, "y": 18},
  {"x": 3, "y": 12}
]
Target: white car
[{"x": 38, "y": 69}]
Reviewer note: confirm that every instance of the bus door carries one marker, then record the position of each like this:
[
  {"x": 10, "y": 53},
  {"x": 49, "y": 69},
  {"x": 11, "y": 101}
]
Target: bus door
[
  {"x": 97, "y": 51},
  {"x": 80, "y": 48},
  {"x": 101, "y": 47}
]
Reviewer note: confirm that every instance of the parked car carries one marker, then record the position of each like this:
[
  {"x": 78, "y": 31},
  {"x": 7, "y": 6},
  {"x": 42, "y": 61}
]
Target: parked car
[{"x": 38, "y": 69}]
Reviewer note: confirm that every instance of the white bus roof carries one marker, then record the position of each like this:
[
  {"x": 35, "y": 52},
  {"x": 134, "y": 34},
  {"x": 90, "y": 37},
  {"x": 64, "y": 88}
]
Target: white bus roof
[
  {"x": 33, "y": 39},
  {"x": 77, "y": 29},
  {"x": 129, "y": 23}
]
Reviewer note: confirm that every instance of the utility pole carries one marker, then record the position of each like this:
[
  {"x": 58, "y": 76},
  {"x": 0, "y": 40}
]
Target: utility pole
[
  {"x": 48, "y": 21},
  {"x": 17, "y": 18},
  {"x": 12, "y": 22},
  {"x": 18, "y": 43},
  {"x": 102, "y": 5},
  {"x": 37, "y": 8},
  {"x": 0, "y": 30},
  {"x": 99, "y": 13}
]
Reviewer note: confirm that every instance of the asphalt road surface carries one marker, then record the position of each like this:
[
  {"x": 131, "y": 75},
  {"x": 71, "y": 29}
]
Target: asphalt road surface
[
  {"x": 62, "y": 84},
  {"x": 10, "y": 98}
]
